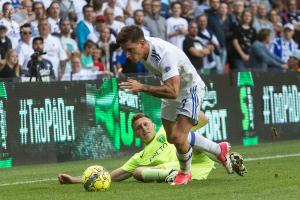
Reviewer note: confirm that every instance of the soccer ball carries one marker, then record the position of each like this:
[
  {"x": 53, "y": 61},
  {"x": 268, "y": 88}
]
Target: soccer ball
[{"x": 96, "y": 178}]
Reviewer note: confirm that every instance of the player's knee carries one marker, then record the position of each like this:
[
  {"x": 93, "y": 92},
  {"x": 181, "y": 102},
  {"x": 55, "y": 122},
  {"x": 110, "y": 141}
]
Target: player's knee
[
  {"x": 177, "y": 141},
  {"x": 137, "y": 174},
  {"x": 172, "y": 139}
]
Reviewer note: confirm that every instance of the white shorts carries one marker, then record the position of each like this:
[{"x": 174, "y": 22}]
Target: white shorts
[{"x": 187, "y": 104}]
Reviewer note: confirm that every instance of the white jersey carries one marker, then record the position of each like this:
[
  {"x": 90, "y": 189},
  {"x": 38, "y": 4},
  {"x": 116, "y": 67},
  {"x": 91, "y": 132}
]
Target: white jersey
[{"x": 165, "y": 61}]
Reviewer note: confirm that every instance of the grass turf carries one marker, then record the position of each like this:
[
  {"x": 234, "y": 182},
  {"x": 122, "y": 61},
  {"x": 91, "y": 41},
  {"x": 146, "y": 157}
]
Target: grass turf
[{"x": 266, "y": 179}]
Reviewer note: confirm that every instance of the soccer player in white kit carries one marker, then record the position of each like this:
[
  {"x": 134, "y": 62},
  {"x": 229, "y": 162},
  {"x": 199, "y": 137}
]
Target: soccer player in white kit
[{"x": 182, "y": 92}]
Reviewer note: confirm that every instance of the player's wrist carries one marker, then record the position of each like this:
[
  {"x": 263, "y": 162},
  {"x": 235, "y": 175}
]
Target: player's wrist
[{"x": 144, "y": 88}]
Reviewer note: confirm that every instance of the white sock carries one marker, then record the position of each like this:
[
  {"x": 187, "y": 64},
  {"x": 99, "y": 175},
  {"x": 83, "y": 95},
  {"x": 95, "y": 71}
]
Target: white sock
[
  {"x": 198, "y": 142},
  {"x": 185, "y": 160}
]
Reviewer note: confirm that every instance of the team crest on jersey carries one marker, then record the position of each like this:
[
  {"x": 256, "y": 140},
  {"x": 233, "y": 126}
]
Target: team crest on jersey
[{"x": 161, "y": 139}]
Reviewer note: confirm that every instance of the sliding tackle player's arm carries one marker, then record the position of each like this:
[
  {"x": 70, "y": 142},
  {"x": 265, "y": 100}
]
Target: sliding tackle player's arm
[{"x": 119, "y": 175}]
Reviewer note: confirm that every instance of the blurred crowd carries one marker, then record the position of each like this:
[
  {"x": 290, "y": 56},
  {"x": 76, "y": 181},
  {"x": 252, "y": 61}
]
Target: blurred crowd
[{"x": 76, "y": 39}]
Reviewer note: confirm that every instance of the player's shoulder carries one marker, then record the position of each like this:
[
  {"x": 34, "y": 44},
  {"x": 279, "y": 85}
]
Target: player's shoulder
[{"x": 160, "y": 45}]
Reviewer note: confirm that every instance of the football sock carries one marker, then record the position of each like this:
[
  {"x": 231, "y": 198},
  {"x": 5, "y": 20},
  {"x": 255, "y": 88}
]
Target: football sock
[
  {"x": 198, "y": 142},
  {"x": 152, "y": 174},
  {"x": 185, "y": 160}
]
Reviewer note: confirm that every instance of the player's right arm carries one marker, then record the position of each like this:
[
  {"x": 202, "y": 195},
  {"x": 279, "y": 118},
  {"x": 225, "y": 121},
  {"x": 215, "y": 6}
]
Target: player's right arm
[
  {"x": 120, "y": 175},
  {"x": 169, "y": 89}
]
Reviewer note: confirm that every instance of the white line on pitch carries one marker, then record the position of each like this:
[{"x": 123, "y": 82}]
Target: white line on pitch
[
  {"x": 272, "y": 157},
  {"x": 27, "y": 182},
  {"x": 246, "y": 159}
]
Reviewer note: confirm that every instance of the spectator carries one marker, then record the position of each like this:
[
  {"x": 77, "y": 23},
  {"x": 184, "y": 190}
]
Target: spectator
[
  {"x": 5, "y": 44},
  {"x": 25, "y": 14},
  {"x": 13, "y": 29},
  {"x": 130, "y": 6},
  {"x": 53, "y": 48},
  {"x": 46, "y": 3},
  {"x": 261, "y": 20},
  {"x": 97, "y": 55},
  {"x": 66, "y": 7},
  {"x": 138, "y": 17},
  {"x": 207, "y": 38},
  {"x": 224, "y": 19},
  {"x": 156, "y": 23},
  {"x": 253, "y": 8},
  {"x": 276, "y": 22},
  {"x": 97, "y": 5},
  {"x": 87, "y": 55},
  {"x": 294, "y": 18},
  {"x": 68, "y": 44},
  {"x": 115, "y": 25},
  {"x": 266, "y": 3},
  {"x": 40, "y": 13},
  {"x": 194, "y": 48},
  {"x": 77, "y": 72},
  {"x": 11, "y": 68},
  {"x": 146, "y": 5},
  {"x": 244, "y": 36},
  {"x": 294, "y": 61},
  {"x": 200, "y": 9},
  {"x": 176, "y": 26},
  {"x": 215, "y": 26},
  {"x": 107, "y": 42},
  {"x": 235, "y": 16},
  {"x": 79, "y": 4},
  {"x": 293, "y": 13},
  {"x": 37, "y": 65},
  {"x": 99, "y": 25},
  {"x": 24, "y": 48},
  {"x": 187, "y": 10},
  {"x": 260, "y": 56},
  {"x": 54, "y": 17},
  {"x": 116, "y": 10},
  {"x": 85, "y": 26},
  {"x": 283, "y": 47}
]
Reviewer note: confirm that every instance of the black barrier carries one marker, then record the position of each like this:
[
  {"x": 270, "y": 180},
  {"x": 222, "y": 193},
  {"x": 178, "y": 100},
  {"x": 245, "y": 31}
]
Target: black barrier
[{"x": 62, "y": 121}]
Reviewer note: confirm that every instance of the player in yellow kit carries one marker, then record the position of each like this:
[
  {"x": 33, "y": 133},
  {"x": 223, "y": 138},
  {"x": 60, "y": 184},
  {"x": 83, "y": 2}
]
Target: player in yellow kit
[{"x": 156, "y": 162}]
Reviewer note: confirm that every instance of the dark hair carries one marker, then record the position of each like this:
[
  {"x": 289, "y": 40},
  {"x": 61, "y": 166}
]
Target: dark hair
[
  {"x": 86, "y": 7},
  {"x": 138, "y": 10},
  {"x": 36, "y": 3},
  {"x": 144, "y": 2},
  {"x": 88, "y": 43},
  {"x": 4, "y": 5},
  {"x": 63, "y": 19},
  {"x": 131, "y": 33},
  {"x": 137, "y": 116},
  {"x": 263, "y": 34},
  {"x": 49, "y": 8},
  {"x": 174, "y": 3},
  {"x": 37, "y": 39},
  {"x": 27, "y": 25},
  {"x": 201, "y": 15},
  {"x": 243, "y": 15}
]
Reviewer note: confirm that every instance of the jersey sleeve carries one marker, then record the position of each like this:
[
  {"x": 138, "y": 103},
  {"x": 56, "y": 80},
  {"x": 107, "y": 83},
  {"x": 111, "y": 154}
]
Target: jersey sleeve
[
  {"x": 169, "y": 66},
  {"x": 132, "y": 163}
]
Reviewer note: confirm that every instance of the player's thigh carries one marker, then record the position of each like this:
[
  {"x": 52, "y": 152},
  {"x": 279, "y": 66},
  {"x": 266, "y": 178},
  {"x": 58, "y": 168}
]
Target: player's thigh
[{"x": 191, "y": 103}]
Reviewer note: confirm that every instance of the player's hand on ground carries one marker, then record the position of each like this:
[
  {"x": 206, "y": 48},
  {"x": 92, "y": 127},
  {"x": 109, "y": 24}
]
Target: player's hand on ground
[
  {"x": 131, "y": 86},
  {"x": 64, "y": 179}
]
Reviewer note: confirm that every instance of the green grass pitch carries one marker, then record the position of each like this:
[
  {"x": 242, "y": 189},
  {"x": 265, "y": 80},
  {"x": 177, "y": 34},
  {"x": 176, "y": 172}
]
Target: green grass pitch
[{"x": 277, "y": 178}]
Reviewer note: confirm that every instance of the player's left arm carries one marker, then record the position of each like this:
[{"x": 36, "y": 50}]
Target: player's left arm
[
  {"x": 119, "y": 175},
  {"x": 169, "y": 89}
]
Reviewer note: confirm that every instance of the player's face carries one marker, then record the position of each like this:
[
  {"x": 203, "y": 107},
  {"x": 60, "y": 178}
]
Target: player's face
[
  {"x": 144, "y": 128},
  {"x": 134, "y": 50}
]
